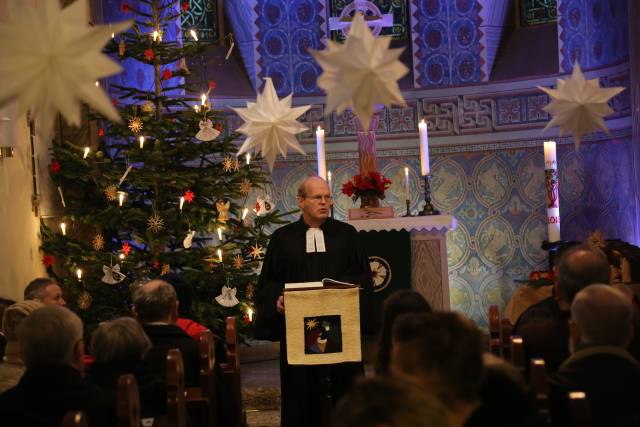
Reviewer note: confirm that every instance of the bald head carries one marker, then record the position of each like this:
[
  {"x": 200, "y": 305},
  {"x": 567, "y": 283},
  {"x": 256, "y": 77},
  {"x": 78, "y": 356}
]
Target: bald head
[
  {"x": 155, "y": 301},
  {"x": 579, "y": 267},
  {"x": 312, "y": 181},
  {"x": 314, "y": 200},
  {"x": 602, "y": 316}
]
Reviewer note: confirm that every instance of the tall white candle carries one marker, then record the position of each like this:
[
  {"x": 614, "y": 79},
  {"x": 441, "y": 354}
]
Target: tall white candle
[
  {"x": 329, "y": 182},
  {"x": 406, "y": 183},
  {"x": 424, "y": 149},
  {"x": 322, "y": 163},
  {"x": 551, "y": 190}
]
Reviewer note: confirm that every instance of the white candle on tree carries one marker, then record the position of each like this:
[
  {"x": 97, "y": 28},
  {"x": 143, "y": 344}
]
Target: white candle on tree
[
  {"x": 406, "y": 183},
  {"x": 551, "y": 190},
  {"x": 322, "y": 163},
  {"x": 424, "y": 149}
]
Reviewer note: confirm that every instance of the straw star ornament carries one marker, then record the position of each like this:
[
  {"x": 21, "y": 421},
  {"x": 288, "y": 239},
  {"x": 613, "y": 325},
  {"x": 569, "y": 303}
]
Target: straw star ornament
[
  {"x": 271, "y": 125},
  {"x": 53, "y": 61},
  {"x": 361, "y": 73},
  {"x": 578, "y": 105}
]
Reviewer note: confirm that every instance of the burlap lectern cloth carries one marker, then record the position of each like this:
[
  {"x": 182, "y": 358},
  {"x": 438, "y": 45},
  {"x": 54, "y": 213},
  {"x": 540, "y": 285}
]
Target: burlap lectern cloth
[{"x": 323, "y": 326}]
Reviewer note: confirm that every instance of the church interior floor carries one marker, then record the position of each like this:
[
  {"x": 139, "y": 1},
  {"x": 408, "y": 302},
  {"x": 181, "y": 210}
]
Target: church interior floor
[{"x": 260, "y": 373}]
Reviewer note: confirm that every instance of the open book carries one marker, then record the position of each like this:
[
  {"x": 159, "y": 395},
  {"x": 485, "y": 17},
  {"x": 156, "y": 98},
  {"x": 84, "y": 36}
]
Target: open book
[{"x": 324, "y": 283}]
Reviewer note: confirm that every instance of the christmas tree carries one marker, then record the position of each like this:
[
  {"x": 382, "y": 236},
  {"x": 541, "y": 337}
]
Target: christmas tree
[{"x": 163, "y": 191}]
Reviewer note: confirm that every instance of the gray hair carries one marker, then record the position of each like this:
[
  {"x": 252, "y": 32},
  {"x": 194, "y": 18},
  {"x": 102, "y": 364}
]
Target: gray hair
[
  {"x": 603, "y": 316},
  {"x": 121, "y": 339},
  {"x": 49, "y": 336},
  {"x": 154, "y": 303},
  {"x": 36, "y": 288},
  {"x": 579, "y": 267}
]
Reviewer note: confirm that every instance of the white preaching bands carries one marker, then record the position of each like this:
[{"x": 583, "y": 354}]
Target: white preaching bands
[{"x": 315, "y": 240}]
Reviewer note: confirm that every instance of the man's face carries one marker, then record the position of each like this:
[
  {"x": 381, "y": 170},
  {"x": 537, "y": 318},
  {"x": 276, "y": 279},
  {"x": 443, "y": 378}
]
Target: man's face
[
  {"x": 316, "y": 205},
  {"x": 53, "y": 295}
]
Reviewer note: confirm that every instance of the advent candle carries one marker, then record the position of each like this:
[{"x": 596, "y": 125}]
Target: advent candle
[
  {"x": 424, "y": 149},
  {"x": 551, "y": 190},
  {"x": 322, "y": 163},
  {"x": 406, "y": 183}
]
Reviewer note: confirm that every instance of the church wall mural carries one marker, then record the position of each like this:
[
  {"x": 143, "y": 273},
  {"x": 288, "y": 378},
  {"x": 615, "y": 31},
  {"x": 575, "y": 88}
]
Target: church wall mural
[
  {"x": 497, "y": 197},
  {"x": 593, "y": 31}
]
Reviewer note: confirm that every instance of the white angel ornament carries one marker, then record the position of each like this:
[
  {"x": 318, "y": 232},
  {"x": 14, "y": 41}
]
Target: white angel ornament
[
  {"x": 112, "y": 274},
  {"x": 188, "y": 240},
  {"x": 264, "y": 205},
  {"x": 207, "y": 132},
  {"x": 227, "y": 297}
]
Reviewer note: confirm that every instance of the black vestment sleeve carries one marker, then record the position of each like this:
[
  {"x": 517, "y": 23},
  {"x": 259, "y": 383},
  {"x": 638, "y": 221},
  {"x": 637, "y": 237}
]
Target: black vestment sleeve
[{"x": 268, "y": 323}]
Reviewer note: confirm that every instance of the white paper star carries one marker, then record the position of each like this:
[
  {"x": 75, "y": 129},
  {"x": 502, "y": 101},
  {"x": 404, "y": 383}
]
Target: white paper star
[
  {"x": 270, "y": 125},
  {"x": 51, "y": 60},
  {"x": 578, "y": 105},
  {"x": 361, "y": 73}
]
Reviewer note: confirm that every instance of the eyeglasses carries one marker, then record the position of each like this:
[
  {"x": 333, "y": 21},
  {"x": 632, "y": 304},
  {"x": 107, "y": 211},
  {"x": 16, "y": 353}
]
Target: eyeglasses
[{"x": 319, "y": 199}]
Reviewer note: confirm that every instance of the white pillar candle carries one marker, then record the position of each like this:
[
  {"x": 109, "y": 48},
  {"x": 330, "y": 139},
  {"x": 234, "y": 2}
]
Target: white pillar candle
[
  {"x": 121, "y": 195},
  {"x": 219, "y": 254},
  {"x": 79, "y": 274},
  {"x": 424, "y": 149},
  {"x": 406, "y": 183},
  {"x": 551, "y": 190},
  {"x": 248, "y": 157},
  {"x": 141, "y": 139},
  {"x": 86, "y": 152},
  {"x": 322, "y": 163},
  {"x": 63, "y": 228}
]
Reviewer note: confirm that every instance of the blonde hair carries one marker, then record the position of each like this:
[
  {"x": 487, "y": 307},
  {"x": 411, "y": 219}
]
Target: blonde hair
[{"x": 15, "y": 314}]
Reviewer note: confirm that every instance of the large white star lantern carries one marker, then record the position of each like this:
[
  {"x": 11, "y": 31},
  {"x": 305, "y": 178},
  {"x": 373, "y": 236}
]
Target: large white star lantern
[
  {"x": 270, "y": 125},
  {"x": 579, "y": 106},
  {"x": 51, "y": 60},
  {"x": 361, "y": 73}
]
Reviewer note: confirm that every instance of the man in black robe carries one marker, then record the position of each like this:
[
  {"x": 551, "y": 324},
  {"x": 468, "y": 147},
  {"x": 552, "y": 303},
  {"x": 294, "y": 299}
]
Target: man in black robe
[{"x": 309, "y": 250}]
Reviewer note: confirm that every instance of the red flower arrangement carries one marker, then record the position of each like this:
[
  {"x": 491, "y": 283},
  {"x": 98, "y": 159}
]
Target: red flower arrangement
[{"x": 373, "y": 184}]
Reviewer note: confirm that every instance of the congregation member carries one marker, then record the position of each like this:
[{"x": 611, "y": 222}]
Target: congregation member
[
  {"x": 52, "y": 349},
  {"x": 4, "y": 303},
  {"x": 155, "y": 306},
  {"x": 308, "y": 250},
  {"x": 12, "y": 366},
  {"x": 119, "y": 347},
  {"x": 544, "y": 326},
  {"x": 600, "y": 365},
  {"x": 385, "y": 401},
  {"x": 399, "y": 303},
  {"x": 45, "y": 290}
]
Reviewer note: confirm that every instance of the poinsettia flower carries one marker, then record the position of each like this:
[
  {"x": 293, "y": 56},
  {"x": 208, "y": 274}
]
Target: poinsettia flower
[
  {"x": 148, "y": 54},
  {"x": 48, "y": 260},
  {"x": 55, "y": 166},
  {"x": 348, "y": 189},
  {"x": 167, "y": 74}
]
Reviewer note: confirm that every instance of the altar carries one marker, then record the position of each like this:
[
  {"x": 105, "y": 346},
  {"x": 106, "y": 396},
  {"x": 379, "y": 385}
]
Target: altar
[{"x": 427, "y": 250}]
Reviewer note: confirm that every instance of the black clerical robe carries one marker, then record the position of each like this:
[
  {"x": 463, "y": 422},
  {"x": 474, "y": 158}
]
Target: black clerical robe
[{"x": 287, "y": 261}]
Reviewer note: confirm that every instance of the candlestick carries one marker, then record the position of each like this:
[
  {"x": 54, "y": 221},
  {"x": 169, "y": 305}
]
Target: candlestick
[
  {"x": 141, "y": 139},
  {"x": 551, "y": 190},
  {"x": 424, "y": 149},
  {"x": 121, "y": 195},
  {"x": 428, "y": 208},
  {"x": 245, "y": 211},
  {"x": 219, "y": 254},
  {"x": 330, "y": 183},
  {"x": 63, "y": 228},
  {"x": 220, "y": 234},
  {"x": 86, "y": 152},
  {"x": 248, "y": 157},
  {"x": 322, "y": 163},
  {"x": 181, "y": 202},
  {"x": 79, "y": 274}
]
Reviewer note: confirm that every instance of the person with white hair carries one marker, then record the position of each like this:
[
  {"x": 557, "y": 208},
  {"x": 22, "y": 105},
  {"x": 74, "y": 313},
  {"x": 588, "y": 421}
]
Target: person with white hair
[
  {"x": 600, "y": 365},
  {"x": 52, "y": 348}
]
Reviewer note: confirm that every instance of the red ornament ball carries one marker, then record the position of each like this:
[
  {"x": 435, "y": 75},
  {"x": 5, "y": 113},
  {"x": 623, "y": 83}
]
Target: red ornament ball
[
  {"x": 189, "y": 196},
  {"x": 148, "y": 54},
  {"x": 212, "y": 84},
  {"x": 100, "y": 132},
  {"x": 184, "y": 6},
  {"x": 48, "y": 260},
  {"x": 55, "y": 166},
  {"x": 167, "y": 74}
]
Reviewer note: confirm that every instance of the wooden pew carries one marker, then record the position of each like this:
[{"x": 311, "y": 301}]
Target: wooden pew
[
  {"x": 579, "y": 409},
  {"x": 201, "y": 401},
  {"x": 540, "y": 388},
  {"x": 75, "y": 419},
  {"x": 127, "y": 402},
  {"x": 495, "y": 345},
  {"x": 231, "y": 373},
  {"x": 505, "y": 336},
  {"x": 176, "y": 402}
]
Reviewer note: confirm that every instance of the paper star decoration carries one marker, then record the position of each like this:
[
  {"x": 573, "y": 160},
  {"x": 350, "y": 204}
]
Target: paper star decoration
[
  {"x": 51, "y": 60},
  {"x": 135, "y": 124},
  {"x": 98, "y": 242},
  {"x": 111, "y": 193},
  {"x": 270, "y": 125},
  {"x": 238, "y": 261},
  {"x": 125, "y": 248},
  {"x": 360, "y": 73},
  {"x": 155, "y": 223},
  {"x": 256, "y": 251},
  {"x": 228, "y": 164},
  {"x": 578, "y": 105},
  {"x": 245, "y": 187}
]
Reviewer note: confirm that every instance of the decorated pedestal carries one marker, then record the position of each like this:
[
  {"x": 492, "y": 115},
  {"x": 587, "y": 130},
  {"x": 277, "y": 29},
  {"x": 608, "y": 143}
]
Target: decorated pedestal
[{"x": 429, "y": 274}]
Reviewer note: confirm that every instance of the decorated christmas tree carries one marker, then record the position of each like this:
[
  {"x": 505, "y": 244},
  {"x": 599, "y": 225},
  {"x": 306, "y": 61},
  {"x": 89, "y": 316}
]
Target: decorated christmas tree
[{"x": 162, "y": 191}]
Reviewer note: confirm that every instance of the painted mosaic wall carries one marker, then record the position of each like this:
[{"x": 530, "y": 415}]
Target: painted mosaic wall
[
  {"x": 446, "y": 42},
  {"x": 593, "y": 31},
  {"x": 497, "y": 197}
]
